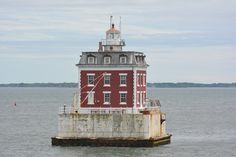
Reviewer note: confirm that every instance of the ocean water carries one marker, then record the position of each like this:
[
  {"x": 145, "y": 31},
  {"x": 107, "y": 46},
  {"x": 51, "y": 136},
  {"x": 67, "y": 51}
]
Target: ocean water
[{"x": 201, "y": 120}]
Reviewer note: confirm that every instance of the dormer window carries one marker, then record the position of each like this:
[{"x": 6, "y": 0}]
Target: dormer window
[
  {"x": 137, "y": 59},
  {"x": 107, "y": 60},
  {"x": 123, "y": 59},
  {"x": 91, "y": 60}
]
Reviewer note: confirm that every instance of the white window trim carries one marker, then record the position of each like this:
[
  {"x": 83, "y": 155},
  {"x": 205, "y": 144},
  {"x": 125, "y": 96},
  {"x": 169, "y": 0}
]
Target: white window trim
[
  {"x": 109, "y": 74},
  {"x": 123, "y": 85},
  {"x": 93, "y": 74},
  {"x": 141, "y": 98},
  {"x": 138, "y": 80},
  {"x": 90, "y": 85},
  {"x": 93, "y": 92},
  {"x": 138, "y": 97},
  {"x": 107, "y": 85},
  {"x": 125, "y": 60},
  {"x": 144, "y": 80},
  {"x": 141, "y": 80},
  {"x": 93, "y": 60},
  {"x": 90, "y": 74},
  {"x": 123, "y": 92},
  {"x": 106, "y": 92},
  {"x": 104, "y": 60}
]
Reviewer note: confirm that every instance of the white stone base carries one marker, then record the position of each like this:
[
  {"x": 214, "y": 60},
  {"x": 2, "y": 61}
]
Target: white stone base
[{"x": 138, "y": 126}]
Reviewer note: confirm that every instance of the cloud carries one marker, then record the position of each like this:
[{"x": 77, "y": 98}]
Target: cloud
[
  {"x": 37, "y": 56},
  {"x": 25, "y": 37},
  {"x": 185, "y": 40},
  {"x": 196, "y": 64}
]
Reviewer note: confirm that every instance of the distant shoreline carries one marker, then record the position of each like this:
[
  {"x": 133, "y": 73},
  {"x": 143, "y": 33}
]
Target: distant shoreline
[{"x": 154, "y": 85}]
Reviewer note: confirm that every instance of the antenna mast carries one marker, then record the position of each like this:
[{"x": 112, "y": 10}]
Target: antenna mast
[
  {"x": 120, "y": 27},
  {"x": 111, "y": 20}
]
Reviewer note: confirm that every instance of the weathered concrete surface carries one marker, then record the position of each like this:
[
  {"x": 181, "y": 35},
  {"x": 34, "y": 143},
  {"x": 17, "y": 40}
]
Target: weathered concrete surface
[
  {"x": 137, "y": 126},
  {"x": 115, "y": 142}
]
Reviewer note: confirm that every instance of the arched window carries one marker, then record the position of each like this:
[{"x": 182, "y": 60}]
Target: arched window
[
  {"x": 91, "y": 59},
  {"x": 123, "y": 59},
  {"x": 107, "y": 59}
]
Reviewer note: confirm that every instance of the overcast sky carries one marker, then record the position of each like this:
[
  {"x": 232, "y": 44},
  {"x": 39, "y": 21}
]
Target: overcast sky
[{"x": 184, "y": 40}]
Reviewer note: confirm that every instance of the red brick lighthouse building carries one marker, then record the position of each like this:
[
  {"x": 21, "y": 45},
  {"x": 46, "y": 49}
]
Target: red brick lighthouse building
[
  {"x": 110, "y": 107},
  {"x": 111, "y": 78}
]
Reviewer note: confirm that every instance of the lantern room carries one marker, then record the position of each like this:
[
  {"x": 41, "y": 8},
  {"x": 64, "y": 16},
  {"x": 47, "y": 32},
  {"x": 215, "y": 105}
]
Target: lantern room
[{"x": 113, "y": 41}]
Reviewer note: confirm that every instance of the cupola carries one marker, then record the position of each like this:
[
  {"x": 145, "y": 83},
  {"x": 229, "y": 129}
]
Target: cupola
[{"x": 113, "y": 41}]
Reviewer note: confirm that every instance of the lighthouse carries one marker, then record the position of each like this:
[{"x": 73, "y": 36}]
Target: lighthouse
[
  {"x": 110, "y": 106},
  {"x": 111, "y": 79}
]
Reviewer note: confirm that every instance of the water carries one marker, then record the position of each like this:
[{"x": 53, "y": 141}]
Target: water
[{"x": 202, "y": 121}]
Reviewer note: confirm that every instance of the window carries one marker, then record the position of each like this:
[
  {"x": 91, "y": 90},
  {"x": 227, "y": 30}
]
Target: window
[
  {"x": 91, "y": 98},
  {"x": 138, "y": 80},
  {"x": 123, "y": 80},
  {"x": 112, "y": 35},
  {"x": 123, "y": 59},
  {"x": 123, "y": 98},
  {"x": 144, "y": 99},
  {"x": 91, "y": 60},
  {"x": 107, "y": 79},
  {"x": 107, "y": 60},
  {"x": 141, "y": 80},
  {"x": 107, "y": 98},
  {"x": 141, "y": 99},
  {"x": 144, "y": 80},
  {"x": 137, "y": 59},
  {"x": 138, "y": 98},
  {"x": 90, "y": 80}
]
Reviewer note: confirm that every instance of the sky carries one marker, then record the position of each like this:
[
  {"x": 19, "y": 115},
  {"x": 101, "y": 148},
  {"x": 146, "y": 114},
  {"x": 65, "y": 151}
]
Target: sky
[{"x": 184, "y": 40}]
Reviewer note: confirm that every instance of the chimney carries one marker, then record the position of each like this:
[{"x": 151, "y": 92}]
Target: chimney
[{"x": 100, "y": 48}]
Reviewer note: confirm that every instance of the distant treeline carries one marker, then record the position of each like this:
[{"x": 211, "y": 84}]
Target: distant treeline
[
  {"x": 188, "y": 85},
  {"x": 156, "y": 85},
  {"x": 70, "y": 85}
]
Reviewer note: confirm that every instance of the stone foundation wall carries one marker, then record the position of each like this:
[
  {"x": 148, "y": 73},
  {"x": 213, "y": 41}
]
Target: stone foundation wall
[{"x": 139, "y": 126}]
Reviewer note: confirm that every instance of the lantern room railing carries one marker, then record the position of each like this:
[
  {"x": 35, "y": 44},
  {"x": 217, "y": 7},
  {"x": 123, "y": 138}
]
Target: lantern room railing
[{"x": 106, "y": 42}]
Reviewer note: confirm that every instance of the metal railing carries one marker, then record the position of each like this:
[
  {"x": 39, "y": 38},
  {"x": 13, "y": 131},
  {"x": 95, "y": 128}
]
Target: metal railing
[
  {"x": 67, "y": 109},
  {"x": 121, "y": 42},
  {"x": 152, "y": 103}
]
